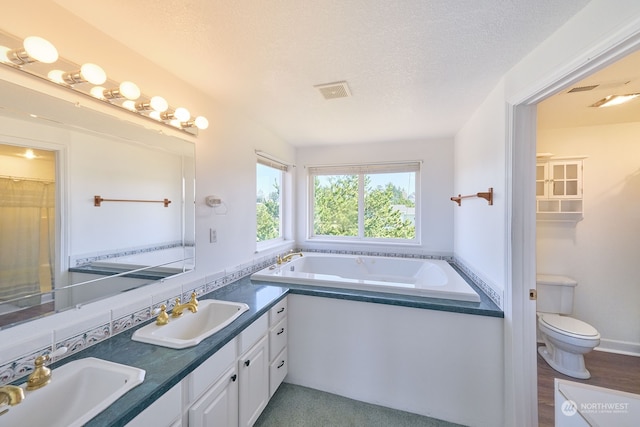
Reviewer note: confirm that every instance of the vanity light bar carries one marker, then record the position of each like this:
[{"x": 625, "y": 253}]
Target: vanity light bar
[{"x": 90, "y": 79}]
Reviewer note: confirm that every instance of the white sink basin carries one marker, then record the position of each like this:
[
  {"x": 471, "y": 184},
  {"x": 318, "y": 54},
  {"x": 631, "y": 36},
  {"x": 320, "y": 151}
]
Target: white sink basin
[
  {"x": 191, "y": 328},
  {"x": 78, "y": 391}
]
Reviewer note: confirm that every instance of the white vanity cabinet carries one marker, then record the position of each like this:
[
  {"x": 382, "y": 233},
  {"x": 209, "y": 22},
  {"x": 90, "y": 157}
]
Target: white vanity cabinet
[
  {"x": 219, "y": 405},
  {"x": 166, "y": 411},
  {"x": 212, "y": 390},
  {"x": 253, "y": 371},
  {"x": 234, "y": 385},
  {"x": 278, "y": 338}
]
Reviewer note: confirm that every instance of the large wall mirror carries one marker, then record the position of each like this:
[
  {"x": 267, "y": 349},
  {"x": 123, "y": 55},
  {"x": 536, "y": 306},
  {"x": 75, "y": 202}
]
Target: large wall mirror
[{"x": 90, "y": 205}]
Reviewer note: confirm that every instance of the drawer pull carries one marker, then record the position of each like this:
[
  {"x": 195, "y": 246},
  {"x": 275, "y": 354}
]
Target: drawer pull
[
  {"x": 281, "y": 331},
  {"x": 280, "y": 365},
  {"x": 247, "y": 362},
  {"x": 234, "y": 377},
  {"x": 280, "y": 311}
]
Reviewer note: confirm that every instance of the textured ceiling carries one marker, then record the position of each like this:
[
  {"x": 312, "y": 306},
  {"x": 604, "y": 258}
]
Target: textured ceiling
[
  {"x": 416, "y": 68},
  {"x": 572, "y": 109}
]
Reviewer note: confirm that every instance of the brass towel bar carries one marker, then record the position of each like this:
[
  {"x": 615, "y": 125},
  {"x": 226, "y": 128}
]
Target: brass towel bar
[
  {"x": 487, "y": 195},
  {"x": 97, "y": 200}
]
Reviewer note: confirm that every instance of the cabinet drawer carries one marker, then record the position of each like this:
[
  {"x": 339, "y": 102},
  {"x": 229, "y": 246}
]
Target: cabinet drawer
[
  {"x": 277, "y": 371},
  {"x": 278, "y": 312},
  {"x": 253, "y": 333},
  {"x": 205, "y": 375},
  {"x": 163, "y": 412},
  {"x": 277, "y": 338}
]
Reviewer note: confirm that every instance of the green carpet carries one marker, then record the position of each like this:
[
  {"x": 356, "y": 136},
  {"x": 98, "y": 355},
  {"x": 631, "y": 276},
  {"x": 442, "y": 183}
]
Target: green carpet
[{"x": 298, "y": 406}]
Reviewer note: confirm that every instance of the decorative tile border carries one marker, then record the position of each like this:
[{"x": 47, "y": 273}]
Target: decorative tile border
[
  {"x": 378, "y": 253},
  {"x": 83, "y": 260},
  {"x": 130, "y": 320},
  {"x": 86, "y": 339},
  {"x": 479, "y": 282},
  {"x": 21, "y": 367}
]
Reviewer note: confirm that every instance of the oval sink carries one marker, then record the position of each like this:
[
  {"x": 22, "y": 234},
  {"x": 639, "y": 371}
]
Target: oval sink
[
  {"x": 191, "y": 328},
  {"x": 78, "y": 391}
]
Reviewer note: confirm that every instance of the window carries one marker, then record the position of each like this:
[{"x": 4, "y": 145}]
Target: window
[
  {"x": 364, "y": 201},
  {"x": 269, "y": 178}
]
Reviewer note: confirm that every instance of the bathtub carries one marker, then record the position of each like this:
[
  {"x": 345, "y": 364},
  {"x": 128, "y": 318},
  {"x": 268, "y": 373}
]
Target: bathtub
[{"x": 427, "y": 278}]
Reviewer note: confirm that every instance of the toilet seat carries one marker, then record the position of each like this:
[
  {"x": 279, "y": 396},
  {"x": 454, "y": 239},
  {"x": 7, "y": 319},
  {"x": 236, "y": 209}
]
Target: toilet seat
[{"x": 569, "y": 326}]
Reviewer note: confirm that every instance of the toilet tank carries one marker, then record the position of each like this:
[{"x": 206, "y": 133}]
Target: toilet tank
[{"x": 555, "y": 293}]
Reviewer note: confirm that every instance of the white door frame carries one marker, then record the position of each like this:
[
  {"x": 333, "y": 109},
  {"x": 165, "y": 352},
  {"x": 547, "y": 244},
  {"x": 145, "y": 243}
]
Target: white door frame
[{"x": 521, "y": 406}]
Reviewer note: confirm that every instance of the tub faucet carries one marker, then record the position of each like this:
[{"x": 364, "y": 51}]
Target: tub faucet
[
  {"x": 287, "y": 257},
  {"x": 192, "y": 306},
  {"x": 11, "y": 395}
]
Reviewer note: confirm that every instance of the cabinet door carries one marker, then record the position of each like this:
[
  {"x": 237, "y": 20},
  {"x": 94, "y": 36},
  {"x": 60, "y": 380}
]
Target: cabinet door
[
  {"x": 541, "y": 180},
  {"x": 566, "y": 177},
  {"x": 253, "y": 371},
  {"x": 219, "y": 405}
]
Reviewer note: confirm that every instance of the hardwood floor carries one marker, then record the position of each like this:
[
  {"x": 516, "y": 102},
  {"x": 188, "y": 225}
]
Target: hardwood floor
[{"x": 609, "y": 370}]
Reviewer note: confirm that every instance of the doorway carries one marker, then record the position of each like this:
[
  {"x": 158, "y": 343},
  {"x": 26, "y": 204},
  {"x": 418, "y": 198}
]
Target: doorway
[{"x": 521, "y": 348}]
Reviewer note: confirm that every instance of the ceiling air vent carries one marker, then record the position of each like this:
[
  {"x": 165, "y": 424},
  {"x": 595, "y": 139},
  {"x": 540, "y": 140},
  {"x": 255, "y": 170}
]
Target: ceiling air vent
[
  {"x": 583, "y": 88},
  {"x": 334, "y": 90}
]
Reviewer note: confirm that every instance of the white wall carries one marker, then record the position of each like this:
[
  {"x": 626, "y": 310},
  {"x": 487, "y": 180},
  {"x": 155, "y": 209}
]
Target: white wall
[
  {"x": 434, "y": 363},
  {"x": 435, "y": 189},
  {"x": 601, "y": 251},
  {"x": 479, "y": 164}
]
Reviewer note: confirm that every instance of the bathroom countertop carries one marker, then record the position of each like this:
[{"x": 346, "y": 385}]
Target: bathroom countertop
[{"x": 166, "y": 367}]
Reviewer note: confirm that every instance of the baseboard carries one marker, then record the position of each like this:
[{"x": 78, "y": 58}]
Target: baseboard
[{"x": 620, "y": 347}]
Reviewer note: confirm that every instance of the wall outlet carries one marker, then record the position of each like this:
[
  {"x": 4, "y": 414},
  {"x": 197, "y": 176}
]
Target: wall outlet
[{"x": 213, "y": 235}]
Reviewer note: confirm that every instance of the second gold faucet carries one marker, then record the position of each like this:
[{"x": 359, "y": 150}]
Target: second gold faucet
[{"x": 192, "y": 306}]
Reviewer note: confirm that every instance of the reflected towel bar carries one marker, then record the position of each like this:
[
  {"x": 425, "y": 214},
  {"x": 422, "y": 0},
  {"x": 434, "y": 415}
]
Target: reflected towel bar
[
  {"x": 97, "y": 200},
  {"x": 488, "y": 196}
]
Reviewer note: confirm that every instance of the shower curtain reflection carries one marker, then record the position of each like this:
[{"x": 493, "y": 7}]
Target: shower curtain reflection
[{"x": 27, "y": 240}]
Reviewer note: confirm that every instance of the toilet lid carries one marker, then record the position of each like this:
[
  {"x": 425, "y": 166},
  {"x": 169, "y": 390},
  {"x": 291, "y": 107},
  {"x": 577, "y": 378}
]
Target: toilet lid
[{"x": 569, "y": 325}]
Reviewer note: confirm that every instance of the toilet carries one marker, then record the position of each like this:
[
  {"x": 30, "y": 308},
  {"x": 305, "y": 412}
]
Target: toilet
[{"x": 566, "y": 339}]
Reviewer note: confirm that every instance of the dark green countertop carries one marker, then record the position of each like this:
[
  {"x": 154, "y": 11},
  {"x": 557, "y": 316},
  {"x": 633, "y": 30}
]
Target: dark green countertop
[{"x": 166, "y": 367}]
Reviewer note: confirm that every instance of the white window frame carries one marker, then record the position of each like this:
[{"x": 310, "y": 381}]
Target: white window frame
[
  {"x": 267, "y": 160},
  {"x": 361, "y": 170}
]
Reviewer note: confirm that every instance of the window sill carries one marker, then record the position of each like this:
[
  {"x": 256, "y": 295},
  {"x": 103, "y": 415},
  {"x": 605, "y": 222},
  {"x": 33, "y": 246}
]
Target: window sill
[{"x": 270, "y": 245}]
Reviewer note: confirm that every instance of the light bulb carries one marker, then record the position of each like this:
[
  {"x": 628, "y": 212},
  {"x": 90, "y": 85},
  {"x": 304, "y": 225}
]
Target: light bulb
[
  {"x": 56, "y": 76},
  {"x": 97, "y": 92},
  {"x": 182, "y": 114},
  {"x": 159, "y": 104},
  {"x": 40, "y": 49},
  {"x": 3, "y": 54},
  {"x": 130, "y": 90},
  {"x": 93, "y": 73},
  {"x": 129, "y": 105},
  {"x": 29, "y": 154},
  {"x": 201, "y": 122}
]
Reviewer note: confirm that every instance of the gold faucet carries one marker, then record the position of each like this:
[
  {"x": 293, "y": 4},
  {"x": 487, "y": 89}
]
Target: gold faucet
[
  {"x": 287, "y": 257},
  {"x": 192, "y": 306},
  {"x": 11, "y": 395},
  {"x": 41, "y": 375},
  {"x": 163, "y": 317}
]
